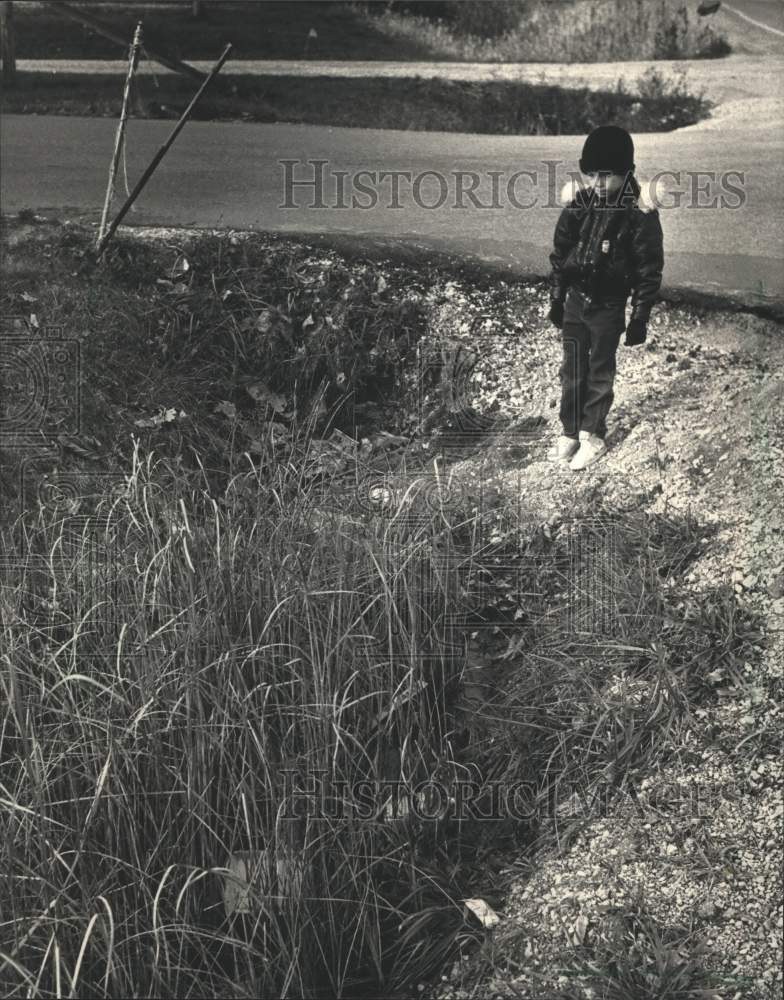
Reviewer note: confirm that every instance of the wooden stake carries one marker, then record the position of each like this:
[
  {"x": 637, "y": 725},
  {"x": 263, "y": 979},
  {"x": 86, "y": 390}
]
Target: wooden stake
[
  {"x": 133, "y": 59},
  {"x": 162, "y": 151}
]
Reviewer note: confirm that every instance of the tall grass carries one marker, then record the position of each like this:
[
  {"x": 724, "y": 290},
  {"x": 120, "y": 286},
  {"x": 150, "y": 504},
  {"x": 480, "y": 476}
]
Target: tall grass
[
  {"x": 240, "y": 653},
  {"x": 219, "y": 677},
  {"x": 588, "y": 31}
]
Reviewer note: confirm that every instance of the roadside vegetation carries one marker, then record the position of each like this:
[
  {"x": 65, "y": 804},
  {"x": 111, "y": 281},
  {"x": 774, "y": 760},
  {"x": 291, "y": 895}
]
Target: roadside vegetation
[
  {"x": 473, "y": 30},
  {"x": 659, "y": 104},
  {"x": 541, "y": 31},
  {"x": 593, "y": 30},
  {"x": 223, "y": 588}
]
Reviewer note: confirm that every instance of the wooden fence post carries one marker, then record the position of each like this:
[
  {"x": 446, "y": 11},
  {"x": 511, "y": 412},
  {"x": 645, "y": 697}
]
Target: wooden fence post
[{"x": 7, "y": 43}]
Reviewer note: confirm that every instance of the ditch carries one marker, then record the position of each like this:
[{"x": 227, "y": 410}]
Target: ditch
[{"x": 340, "y": 601}]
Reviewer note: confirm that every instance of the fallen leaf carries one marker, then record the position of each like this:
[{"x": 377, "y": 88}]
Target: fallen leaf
[
  {"x": 227, "y": 409},
  {"x": 580, "y": 929},
  {"x": 74, "y": 446},
  {"x": 261, "y": 393},
  {"x": 167, "y": 416},
  {"x": 252, "y": 869},
  {"x": 384, "y": 440},
  {"x": 264, "y": 321},
  {"x": 484, "y": 913}
]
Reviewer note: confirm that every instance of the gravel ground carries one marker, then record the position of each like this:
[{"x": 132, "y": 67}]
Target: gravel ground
[{"x": 699, "y": 418}]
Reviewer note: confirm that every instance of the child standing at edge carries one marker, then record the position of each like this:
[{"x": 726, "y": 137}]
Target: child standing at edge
[{"x": 607, "y": 244}]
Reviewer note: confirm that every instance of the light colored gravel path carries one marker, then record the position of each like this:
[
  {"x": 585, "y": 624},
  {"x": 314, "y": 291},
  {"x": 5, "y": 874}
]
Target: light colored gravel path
[{"x": 735, "y": 76}]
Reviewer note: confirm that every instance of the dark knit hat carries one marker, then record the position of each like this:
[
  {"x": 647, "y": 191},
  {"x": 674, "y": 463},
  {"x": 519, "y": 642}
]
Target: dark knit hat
[{"x": 608, "y": 147}]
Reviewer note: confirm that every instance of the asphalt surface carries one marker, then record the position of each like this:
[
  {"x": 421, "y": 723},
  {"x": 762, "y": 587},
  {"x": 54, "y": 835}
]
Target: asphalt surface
[
  {"x": 718, "y": 240},
  {"x": 231, "y": 175},
  {"x": 767, "y": 15}
]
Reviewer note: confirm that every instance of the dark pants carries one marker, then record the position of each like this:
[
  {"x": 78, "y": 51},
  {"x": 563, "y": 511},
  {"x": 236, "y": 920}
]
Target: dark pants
[{"x": 591, "y": 335}]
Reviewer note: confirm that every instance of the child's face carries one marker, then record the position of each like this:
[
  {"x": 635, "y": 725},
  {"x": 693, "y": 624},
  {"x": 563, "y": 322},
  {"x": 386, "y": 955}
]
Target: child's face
[{"x": 607, "y": 183}]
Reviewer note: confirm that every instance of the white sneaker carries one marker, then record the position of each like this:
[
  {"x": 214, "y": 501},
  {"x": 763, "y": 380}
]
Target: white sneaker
[
  {"x": 563, "y": 449},
  {"x": 591, "y": 450}
]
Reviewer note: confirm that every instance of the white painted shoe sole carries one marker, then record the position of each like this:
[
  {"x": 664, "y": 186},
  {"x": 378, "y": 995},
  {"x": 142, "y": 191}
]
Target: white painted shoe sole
[
  {"x": 587, "y": 463},
  {"x": 553, "y": 456}
]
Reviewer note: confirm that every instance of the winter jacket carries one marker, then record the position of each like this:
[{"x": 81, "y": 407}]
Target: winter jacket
[{"x": 608, "y": 252}]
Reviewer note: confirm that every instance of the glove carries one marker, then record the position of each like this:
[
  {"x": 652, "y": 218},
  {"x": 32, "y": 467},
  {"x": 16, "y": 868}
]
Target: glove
[
  {"x": 556, "y": 313},
  {"x": 636, "y": 331}
]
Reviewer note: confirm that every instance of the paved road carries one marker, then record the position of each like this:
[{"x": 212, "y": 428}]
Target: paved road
[
  {"x": 230, "y": 175},
  {"x": 765, "y": 15}
]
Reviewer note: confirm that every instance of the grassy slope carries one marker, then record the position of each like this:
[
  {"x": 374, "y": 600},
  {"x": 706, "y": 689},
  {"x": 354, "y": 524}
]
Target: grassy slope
[
  {"x": 168, "y": 729},
  {"x": 497, "y": 107},
  {"x": 256, "y": 30},
  {"x": 588, "y": 31},
  {"x": 275, "y": 30}
]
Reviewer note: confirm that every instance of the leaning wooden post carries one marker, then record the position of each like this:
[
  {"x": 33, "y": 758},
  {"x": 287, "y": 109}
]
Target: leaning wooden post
[
  {"x": 162, "y": 151},
  {"x": 133, "y": 59},
  {"x": 7, "y": 43},
  {"x": 83, "y": 18}
]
